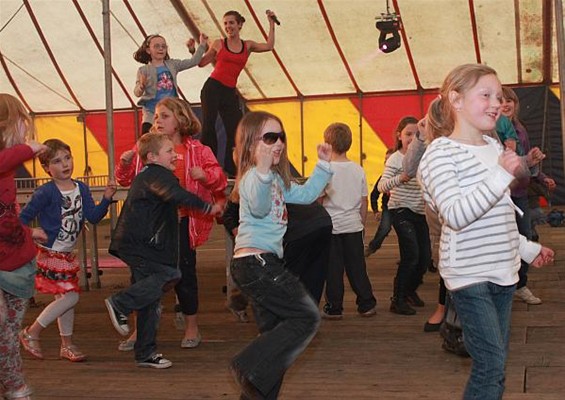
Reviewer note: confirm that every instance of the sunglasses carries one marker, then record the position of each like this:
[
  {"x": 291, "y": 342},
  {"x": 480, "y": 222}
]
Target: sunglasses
[{"x": 272, "y": 137}]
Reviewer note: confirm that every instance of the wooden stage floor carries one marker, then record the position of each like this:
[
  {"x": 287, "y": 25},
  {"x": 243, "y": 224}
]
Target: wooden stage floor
[{"x": 386, "y": 357}]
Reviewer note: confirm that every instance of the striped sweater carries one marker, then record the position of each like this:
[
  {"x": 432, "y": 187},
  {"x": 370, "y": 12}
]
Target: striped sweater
[
  {"x": 402, "y": 195},
  {"x": 479, "y": 237}
]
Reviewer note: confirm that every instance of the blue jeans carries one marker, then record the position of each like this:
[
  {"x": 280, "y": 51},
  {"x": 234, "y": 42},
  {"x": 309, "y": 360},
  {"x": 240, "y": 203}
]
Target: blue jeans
[
  {"x": 525, "y": 228},
  {"x": 286, "y": 315},
  {"x": 382, "y": 231},
  {"x": 151, "y": 281},
  {"x": 484, "y": 311}
]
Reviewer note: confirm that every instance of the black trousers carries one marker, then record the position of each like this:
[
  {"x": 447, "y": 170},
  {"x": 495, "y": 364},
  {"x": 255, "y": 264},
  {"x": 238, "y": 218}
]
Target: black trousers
[{"x": 217, "y": 98}]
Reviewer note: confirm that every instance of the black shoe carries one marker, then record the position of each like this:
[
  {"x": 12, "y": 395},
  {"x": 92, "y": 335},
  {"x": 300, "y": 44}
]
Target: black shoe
[
  {"x": 119, "y": 320},
  {"x": 401, "y": 307},
  {"x": 328, "y": 313},
  {"x": 429, "y": 327},
  {"x": 414, "y": 300},
  {"x": 157, "y": 361}
]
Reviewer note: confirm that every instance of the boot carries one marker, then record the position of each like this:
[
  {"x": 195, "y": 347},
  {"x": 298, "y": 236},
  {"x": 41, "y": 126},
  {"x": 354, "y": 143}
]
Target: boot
[{"x": 398, "y": 304}]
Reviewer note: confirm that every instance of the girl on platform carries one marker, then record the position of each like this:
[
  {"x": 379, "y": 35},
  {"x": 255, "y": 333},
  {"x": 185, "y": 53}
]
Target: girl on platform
[
  {"x": 17, "y": 250},
  {"x": 465, "y": 177},
  {"x": 286, "y": 315},
  {"x": 219, "y": 93},
  {"x": 157, "y": 79}
]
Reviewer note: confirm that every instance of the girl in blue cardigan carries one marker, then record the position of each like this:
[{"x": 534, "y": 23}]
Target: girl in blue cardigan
[{"x": 61, "y": 206}]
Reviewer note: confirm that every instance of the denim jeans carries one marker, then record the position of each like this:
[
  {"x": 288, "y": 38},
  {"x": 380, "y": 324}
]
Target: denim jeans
[
  {"x": 415, "y": 249},
  {"x": 151, "y": 281},
  {"x": 525, "y": 228},
  {"x": 382, "y": 231},
  {"x": 286, "y": 316},
  {"x": 484, "y": 311}
]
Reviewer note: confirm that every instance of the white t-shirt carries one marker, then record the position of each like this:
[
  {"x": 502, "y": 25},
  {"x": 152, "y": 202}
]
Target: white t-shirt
[
  {"x": 71, "y": 215},
  {"x": 347, "y": 187}
]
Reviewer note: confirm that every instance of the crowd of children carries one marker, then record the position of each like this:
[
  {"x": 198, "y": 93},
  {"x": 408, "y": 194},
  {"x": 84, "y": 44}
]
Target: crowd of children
[{"x": 177, "y": 188}]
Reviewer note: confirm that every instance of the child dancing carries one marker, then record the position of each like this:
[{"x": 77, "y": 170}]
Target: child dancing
[
  {"x": 466, "y": 176},
  {"x": 17, "y": 250},
  {"x": 285, "y": 313},
  {"x": 62, "y": 206}
]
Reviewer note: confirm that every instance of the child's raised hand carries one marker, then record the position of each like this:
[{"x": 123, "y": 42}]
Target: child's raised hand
[
  {"x": 111, "y": 189},
  {"x": 36, "y": 147},
  {"x": 203, "y": 38},
  {"x": 263, "y": 157},
  {"x": 545, "y": 256},
  {"x": 190, "y": 43},
  {"x": 39, "y": 235},
  {"x": 510, "y": 161},
  {"x": 198, "y": 174},
  {"x": 127, "y": 156},
  {"x": 535, "y": 156},
  {"x": 325, "y": 151}
]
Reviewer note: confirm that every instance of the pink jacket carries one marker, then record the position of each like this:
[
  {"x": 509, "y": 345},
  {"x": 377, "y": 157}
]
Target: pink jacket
[{"x": 212, "y": 191}]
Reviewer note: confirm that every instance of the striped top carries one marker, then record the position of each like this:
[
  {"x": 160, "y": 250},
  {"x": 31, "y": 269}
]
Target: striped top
[
  {"x": 402, "y": 195},
  {"x": 469, "y": 190}
]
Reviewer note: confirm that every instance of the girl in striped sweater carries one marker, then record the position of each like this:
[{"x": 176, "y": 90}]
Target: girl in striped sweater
[
  {"x": 406, "y": 206},
  {"x": 465, "y": 177}
]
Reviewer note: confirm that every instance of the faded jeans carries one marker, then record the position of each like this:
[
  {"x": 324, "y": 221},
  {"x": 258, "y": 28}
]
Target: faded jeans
[
  {"x": 484, "y": 311},
  {"x": 151, "y": 281},
  {"x": 286, "y": 315}
]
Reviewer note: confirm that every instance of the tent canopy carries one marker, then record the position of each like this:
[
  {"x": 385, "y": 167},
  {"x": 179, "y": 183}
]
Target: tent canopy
[{"x": 51, "y": 51}]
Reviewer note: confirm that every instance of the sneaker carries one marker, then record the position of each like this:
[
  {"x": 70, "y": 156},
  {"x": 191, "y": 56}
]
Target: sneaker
[
  {"x": 414, "y": 300},
  {"x": 330, "y": 314},
  {"x": 157, "y": 361},
  {"x": 369, "y": 313},
  {"x": 119, "y": 320},
  {"x": 527, "y": 296},
  {"x": 126, "y": 345}
]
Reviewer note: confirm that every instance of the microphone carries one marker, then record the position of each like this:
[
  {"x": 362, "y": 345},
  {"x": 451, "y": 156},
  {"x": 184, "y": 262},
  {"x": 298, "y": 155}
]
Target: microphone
[{"x": 274, "y": 18}]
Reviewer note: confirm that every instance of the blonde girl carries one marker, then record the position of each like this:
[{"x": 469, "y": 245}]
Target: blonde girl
[
  {"x": 466, "y": 176},
  {"x": 285, "y": 313},
  {"x": 17, "y": 250}
]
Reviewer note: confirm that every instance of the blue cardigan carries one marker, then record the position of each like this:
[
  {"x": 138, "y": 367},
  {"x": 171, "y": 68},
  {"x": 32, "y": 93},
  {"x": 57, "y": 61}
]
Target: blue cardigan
[{"x": 46, "y": 204}]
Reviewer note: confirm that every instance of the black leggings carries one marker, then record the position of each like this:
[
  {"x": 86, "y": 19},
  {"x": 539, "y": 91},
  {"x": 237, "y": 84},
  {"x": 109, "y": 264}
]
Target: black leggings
[
  {"x": 187, "y": 288},
  {"x": 217, "y": 98}
]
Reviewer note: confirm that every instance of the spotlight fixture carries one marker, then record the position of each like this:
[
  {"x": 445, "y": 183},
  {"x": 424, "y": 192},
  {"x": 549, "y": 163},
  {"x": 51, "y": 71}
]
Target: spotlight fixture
[{"x": 388, "y": 24}]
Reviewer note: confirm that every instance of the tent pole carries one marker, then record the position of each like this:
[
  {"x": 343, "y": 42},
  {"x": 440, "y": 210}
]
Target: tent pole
[
  {"x": 109, "y": 98},
  {"x": 561, "y": 63}
]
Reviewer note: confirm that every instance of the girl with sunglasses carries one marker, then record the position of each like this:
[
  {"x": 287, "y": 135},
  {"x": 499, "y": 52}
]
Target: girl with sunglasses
[
  {"x": 157, "y": 79},
  {"x": 286, "y": 315}
]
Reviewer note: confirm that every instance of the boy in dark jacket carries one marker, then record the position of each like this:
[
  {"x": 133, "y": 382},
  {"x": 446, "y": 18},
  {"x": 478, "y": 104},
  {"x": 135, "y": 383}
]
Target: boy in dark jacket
[{"x": 146, "y": 238}]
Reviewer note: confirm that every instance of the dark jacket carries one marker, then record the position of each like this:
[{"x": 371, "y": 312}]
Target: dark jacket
[{"x": 148, "y": 224}]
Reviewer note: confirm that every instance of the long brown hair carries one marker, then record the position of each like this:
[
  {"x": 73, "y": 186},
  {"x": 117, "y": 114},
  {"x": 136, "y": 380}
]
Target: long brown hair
[
  {"x": 248, "y": 130},
  {"x": 441, "y": 115},
  {"x": 141, "y": 55},
  {"x": 13, "y": 113}
]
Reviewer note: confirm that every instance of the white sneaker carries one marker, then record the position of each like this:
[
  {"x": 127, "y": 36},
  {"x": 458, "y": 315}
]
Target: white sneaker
[{"x": 527, "y": 296}]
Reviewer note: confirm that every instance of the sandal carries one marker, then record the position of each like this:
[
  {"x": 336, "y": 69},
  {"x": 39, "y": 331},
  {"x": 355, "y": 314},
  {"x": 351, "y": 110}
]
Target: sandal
[
  {"x": 30, "y": 344},
  {"x": 24, "y": 393},
  {"x": 72, "y": 353}
]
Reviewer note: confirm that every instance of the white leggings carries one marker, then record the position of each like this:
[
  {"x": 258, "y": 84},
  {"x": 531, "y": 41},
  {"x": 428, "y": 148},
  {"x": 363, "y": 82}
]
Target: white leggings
[{"x": 61, "y": 309}]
